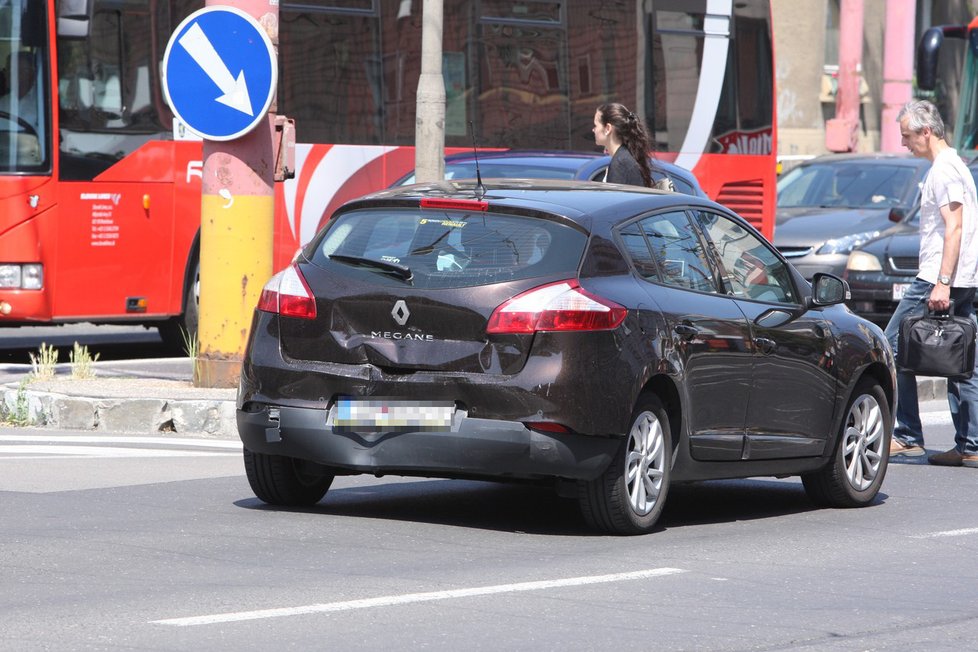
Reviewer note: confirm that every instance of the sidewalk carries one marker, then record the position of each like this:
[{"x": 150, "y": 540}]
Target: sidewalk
[
  {"x": 145, "y": 398},
  {"x": 156, "y": 397}
]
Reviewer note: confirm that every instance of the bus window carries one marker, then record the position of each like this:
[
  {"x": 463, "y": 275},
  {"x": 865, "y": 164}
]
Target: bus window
[
  {"x": 24, "y": 121},
  {"x": 330, "y": 78},
  {"x": 680, "y": 39},
  {"x": 107, "y": 86}
]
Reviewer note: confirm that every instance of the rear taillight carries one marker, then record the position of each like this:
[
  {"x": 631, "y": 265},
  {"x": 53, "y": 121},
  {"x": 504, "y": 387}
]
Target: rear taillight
[
  {"x": 561, "y": 306},
  {"x": 288, "y": 294}
]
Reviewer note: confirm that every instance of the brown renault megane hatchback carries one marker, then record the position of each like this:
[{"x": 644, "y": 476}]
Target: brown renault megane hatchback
[{"x": 610, "y": 340}]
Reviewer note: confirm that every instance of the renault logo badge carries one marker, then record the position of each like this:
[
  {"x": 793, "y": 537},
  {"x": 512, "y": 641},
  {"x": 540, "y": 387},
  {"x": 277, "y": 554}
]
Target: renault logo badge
[{"x": 400, "y": 313}]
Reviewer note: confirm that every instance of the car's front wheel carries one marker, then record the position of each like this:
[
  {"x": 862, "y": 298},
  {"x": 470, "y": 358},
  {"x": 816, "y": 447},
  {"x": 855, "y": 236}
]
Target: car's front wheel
[
  {"x": 853, "y": 476},
  {"x": 629, "y": 496},
  {"x": 280, "y": 480}
]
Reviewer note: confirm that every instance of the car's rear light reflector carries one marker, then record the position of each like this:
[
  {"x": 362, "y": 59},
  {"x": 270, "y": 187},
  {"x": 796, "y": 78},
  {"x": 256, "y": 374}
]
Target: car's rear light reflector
[
  {"x": 560, "y": 306},
  {"x": 547, "y": 426},
  {"x": 288, "y": 294},
  {"x": 455, "y": 204}
]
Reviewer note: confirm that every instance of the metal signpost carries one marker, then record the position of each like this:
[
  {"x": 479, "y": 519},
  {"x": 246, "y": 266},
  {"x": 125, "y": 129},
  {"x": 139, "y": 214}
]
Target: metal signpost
[{"x": 220, "y": 74}]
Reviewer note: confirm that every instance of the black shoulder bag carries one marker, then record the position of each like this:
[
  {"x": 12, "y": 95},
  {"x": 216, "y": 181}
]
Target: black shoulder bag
[{"x": 937, "y": 344}]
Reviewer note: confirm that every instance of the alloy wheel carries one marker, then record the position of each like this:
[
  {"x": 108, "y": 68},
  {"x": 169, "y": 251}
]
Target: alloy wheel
[
  {"x": 644, "y": 463},
  {"x": 863, "y": 445}
]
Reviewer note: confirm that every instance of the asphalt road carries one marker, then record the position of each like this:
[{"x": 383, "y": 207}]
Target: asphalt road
[
  {"x": 109, "y": 342},
  {"x": 110, "y": 544}
]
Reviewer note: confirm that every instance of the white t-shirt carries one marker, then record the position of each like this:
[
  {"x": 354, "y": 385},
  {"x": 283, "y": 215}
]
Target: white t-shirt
[{"x": 948, "y": 181}]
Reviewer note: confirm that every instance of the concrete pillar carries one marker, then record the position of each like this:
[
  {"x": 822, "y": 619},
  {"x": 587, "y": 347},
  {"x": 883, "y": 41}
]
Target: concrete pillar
[
  {"x": 898, "y": 54},
  {"x": 429, "y": 136},
  {"x": 237, "y": 219}
]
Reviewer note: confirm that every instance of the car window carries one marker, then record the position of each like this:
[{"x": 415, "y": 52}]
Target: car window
[
  {"x": 669, "y": 244},
  {"x": 448, "y": 248},
  {"x": 868, "y": 185},
  {"x": 638, "y": 251},
  {"x": 681, "y": 185},
  {"x": 751, "y": 269}
]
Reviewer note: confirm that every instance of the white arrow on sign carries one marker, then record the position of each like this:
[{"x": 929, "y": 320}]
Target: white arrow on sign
[{"x": 200, "y": 49}]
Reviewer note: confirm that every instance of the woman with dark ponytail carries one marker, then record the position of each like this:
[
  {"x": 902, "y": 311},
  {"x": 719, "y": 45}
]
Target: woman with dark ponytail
[{"x": 627, "y": 140}]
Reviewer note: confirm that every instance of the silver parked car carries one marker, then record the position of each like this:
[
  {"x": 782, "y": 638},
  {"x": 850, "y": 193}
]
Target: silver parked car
[{"x": 830, "y": 205}]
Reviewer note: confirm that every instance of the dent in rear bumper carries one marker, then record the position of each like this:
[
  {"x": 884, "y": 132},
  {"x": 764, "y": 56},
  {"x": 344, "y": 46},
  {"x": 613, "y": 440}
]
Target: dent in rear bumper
[{"x": 478, "y": 447}]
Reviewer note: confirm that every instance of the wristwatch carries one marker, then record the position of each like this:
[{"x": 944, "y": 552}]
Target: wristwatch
[{"x": 943, "y": 279}]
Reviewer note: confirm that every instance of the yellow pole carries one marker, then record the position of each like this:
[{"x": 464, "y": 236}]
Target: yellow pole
[{"x": 237, "y": 222}]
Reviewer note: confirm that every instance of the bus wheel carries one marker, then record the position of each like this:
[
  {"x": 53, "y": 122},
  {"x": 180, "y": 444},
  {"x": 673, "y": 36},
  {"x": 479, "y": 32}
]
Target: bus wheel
[{"x": 179, "y": 334}]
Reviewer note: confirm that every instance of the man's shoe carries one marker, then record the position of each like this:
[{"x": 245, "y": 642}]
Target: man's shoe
[
  {"x": 971, "y": 461},
  {"x": 947, "y": 458},
  {"x": 900, "y": 449}
]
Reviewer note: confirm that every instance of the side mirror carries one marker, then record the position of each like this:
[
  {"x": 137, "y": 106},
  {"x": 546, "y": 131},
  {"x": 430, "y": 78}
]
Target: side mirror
[
  {"x": 828, "y": 290},
  {"x": 897, "y": 215},
  {"x": 74, "y": 18}
]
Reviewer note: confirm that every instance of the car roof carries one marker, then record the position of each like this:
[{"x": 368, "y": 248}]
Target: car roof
[
  {"x": 584, "y": 164},
  {"x": 867, "y": 157},
  {"x": 584, "y": 202},
  {"x": 556, "y": 156}
]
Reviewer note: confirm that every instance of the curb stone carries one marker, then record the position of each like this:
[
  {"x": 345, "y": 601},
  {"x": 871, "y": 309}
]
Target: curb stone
[
  {"x": 212, "y": 418},
  {"x": 929, "y": 389}
]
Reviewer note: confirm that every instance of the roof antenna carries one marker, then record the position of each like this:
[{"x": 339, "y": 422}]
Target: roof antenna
[{"x": 478, "y": 174}]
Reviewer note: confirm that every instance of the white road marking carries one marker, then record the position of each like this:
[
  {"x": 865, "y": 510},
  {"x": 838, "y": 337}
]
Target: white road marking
[
  {"x": 410, "y": 598},
  {"x": 46, "y": 451},
  {"x": 39, "y": 447},
  {"x": 935, "y": 418},
  {"x": 230, "y": 444},
  {"x": 947, "y": 533}
]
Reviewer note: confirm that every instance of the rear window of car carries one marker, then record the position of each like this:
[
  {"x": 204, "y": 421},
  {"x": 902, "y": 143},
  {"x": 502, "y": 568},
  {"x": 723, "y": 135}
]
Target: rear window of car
[{"x": 447, "y": 249}]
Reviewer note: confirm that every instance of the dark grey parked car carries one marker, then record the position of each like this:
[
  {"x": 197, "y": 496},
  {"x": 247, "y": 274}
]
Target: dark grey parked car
[
  {"x": 604, "y": 339},
  {"x": 832, "y": 204}
]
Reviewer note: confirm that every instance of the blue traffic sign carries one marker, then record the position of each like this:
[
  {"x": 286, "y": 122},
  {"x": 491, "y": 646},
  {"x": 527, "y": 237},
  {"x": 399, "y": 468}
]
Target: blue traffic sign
[{"x": 219, "y": 73}]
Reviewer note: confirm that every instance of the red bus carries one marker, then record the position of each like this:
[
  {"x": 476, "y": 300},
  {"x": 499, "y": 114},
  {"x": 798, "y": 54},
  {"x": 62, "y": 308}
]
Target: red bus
[{"x": 100, "y": 188}]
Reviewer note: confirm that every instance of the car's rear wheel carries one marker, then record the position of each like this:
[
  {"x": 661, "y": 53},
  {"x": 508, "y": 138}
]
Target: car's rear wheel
[
  {"x": 629, "y": 496},
  {"x": 280, "y": 480},
  {"x": 855, "y": 473}
]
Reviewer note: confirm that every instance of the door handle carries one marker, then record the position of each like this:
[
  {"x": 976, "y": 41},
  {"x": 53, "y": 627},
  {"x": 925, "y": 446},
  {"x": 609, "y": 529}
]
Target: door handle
[
  {"x": 765, "y": 345},
  {"x": 687, "y": 331}
]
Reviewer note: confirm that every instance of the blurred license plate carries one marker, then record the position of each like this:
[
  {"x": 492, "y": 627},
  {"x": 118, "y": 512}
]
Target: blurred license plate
[
  {"x": 899, "y": 289},
  {"x": 393, "y": 415}
]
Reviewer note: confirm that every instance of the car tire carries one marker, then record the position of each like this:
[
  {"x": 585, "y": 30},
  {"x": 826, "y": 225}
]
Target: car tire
[
  {"x": 286, "y": 481},
  {"x": 629, "y": 496},
  {"x": 853, "y": 476}
]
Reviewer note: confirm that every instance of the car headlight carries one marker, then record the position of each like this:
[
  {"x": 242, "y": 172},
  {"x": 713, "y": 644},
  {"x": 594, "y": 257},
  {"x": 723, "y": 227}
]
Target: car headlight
[
  {"x": 860, "y": 261},
  {"x": 21, "y": 277},
  {"x": 846, "y": 244}
]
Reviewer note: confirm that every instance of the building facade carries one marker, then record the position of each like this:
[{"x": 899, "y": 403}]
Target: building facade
[{"x": 806, "y": 42}]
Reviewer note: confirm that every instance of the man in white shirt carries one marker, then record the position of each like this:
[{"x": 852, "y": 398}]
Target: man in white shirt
[{"x": 948, "y": 272}]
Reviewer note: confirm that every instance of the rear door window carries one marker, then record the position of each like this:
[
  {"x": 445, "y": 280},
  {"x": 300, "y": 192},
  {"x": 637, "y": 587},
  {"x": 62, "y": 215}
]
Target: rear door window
[
  {"x": 671, "y": 241},
  {"x": 447, "y": 249}
]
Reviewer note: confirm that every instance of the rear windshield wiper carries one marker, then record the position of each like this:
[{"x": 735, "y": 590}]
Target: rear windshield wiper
[{"x": 401, "y": 271}]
